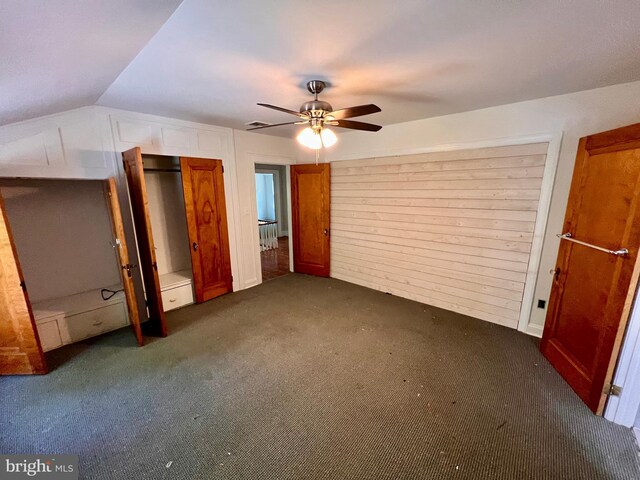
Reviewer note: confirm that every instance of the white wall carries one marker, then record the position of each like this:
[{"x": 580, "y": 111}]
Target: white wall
[
  {"x": 252, "y": 149},
  {"x": 574, "y": 115},
  {"x": 83, "y": 144},
  {"x": 86, "y": 144},
  {"x": 168, "y": 221},
  {"x": 63, "y": 235}
]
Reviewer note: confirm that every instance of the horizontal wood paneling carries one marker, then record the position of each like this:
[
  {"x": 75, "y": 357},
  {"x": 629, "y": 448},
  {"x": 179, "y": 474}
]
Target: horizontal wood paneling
[{"x": 451, "y": 229}]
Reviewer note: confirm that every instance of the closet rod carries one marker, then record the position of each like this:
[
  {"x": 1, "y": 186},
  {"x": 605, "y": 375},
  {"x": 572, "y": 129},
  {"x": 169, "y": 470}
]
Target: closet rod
[{"x": 176, "y": 170}]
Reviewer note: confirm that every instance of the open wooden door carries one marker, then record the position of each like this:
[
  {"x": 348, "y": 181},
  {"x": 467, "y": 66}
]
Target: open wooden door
[
  {"x": 123, "y": 257},
  {"x": 595, "y": 280},
  {"x": 203, "y": 188},
  {"x": 310, "y": 211},
  {"x": 20, "y": 350},
  {"x": 146, "y": 248}
]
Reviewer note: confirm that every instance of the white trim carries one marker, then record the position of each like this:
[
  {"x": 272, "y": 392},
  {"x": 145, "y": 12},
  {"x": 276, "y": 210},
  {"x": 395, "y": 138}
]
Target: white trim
[
  {"x": 624, "y": 409},
  {"x": 544, "y": 203},
  {"x": 262, "y": 159},
  {"x": 534, "y": 330}
]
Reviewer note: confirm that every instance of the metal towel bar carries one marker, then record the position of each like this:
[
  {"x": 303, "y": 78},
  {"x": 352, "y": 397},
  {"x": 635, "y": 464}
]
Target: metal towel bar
[{"x": 567, "y": 236}]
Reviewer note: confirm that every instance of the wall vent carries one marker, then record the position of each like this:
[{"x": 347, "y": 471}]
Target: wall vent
[{"x": 257, "y": 123}]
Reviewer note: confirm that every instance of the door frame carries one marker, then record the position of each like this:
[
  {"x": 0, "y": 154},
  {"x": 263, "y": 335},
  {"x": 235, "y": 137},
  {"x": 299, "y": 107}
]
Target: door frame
[
  {"x": 624, "y": 409},
  {"x": 275, "y": 160}
]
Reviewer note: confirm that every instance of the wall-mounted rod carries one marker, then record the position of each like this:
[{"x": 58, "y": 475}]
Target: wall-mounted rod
[
  {"x": 172, "y": 170},
  {"x": 567, "y": 236}
]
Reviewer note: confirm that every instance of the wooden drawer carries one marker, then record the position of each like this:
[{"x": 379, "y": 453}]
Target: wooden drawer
[
  {"x": 94, "y": 322},
  {"x": 177, "y": 297},
  {"x": 49, "y": 334}
]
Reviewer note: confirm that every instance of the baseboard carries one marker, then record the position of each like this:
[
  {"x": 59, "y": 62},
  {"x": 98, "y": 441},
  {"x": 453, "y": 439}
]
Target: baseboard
[{"x": 534, "y": 330}]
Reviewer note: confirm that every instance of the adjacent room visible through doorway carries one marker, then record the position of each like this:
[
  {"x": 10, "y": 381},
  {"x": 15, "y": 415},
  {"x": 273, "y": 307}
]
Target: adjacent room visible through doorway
[{"x": 273, "y": 220}]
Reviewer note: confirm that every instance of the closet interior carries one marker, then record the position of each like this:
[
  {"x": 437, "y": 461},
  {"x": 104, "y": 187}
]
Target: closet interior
[
  {"x": 179, "y": 212},
  {"x": 165, "y": 196},
  {"x": 66, "y": 241}
]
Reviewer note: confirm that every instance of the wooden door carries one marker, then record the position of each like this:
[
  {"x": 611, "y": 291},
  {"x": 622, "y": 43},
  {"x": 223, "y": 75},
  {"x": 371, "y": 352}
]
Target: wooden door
[
  {"x": 310, "y": 210},
  {"x": 20, "y": 350},
  {"x": 203, "y": 189},
  {"x": 146, "y": 248},
  {"x": 593, "y": 290},
  {"x": 123, "y": 256}
]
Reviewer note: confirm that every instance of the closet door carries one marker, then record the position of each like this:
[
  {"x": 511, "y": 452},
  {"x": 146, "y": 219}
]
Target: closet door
[
  {"x": 123, "y": 257},
  {"x": 203, "y": 187},
  {"x": 146, "y": 248},
  {"x": 20, "y": 350}
]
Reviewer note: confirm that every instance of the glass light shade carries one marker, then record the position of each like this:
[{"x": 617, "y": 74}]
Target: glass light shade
[
  {"x": 328, "y": 137},
  {"x": 310, "y": 139}
]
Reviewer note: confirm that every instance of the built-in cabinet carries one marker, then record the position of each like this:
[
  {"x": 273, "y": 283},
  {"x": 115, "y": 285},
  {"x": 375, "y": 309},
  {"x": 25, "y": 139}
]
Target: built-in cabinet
[
  {"x": 179, "y": 211},
  {"x": 60, "y": 230}
]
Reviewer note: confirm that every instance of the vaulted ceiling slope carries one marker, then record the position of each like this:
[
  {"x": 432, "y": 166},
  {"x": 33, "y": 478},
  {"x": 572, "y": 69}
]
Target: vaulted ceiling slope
[
  {"x": 211, "y": 61},
  {"x": 56, "y": 55}
]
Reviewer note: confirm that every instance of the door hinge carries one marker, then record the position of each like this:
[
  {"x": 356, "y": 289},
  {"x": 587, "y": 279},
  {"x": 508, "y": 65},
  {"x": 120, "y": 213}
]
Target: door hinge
[
  {"x": 222, "y": 168},
  {"x": 231, "y": 278},
  {"x": 612, "y": 390},
  {"x": 23, "y": 286}
]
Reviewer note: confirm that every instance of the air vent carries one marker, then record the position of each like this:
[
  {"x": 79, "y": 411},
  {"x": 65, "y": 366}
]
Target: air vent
[{"x": 257, "y": 123}]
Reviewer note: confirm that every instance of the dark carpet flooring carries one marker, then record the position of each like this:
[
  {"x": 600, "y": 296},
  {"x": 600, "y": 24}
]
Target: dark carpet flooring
[{"x": 308, "y": 378}]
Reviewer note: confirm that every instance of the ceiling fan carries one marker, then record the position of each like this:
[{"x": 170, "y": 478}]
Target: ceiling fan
[{"x": 318, "y": 115}]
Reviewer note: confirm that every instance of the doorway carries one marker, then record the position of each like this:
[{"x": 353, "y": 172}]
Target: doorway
[{"x": 273, "y": 219}]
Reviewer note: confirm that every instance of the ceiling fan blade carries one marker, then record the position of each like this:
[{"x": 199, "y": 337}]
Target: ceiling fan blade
[
  {"x": 273, "y": 125},
  {"x": 280, "y": 109},
  {"x": 369, "y": 127},
  {"x": 357, "y": 111}
]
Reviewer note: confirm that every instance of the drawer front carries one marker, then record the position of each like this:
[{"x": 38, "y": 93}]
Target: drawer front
[
  {"x": 177, "y": 297},
  {"x": 89, "y": 324},
  {"x": 49, "y": 335}
]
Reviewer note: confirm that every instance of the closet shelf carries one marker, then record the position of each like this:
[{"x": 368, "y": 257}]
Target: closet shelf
[{"x": 175, "y": 279}]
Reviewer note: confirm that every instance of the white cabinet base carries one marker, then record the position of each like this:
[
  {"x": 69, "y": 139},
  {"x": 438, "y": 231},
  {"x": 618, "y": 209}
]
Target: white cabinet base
[
  {"x": 176, "y": 289},
  {"x": 65, "y": 320}
]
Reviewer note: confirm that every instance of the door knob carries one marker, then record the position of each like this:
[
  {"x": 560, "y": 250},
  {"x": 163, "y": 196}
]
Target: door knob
[{"x": 195, "y": 247}]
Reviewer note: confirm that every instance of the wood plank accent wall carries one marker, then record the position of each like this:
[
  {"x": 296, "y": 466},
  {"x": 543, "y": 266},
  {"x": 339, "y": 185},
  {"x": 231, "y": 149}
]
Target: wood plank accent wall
[{"x": 450, "y": 229}]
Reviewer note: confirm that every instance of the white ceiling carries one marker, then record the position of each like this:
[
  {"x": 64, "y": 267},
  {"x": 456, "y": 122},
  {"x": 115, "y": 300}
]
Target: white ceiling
[
  {"x": 56, "y": 55},
  {"x": 213, "y": 60}
]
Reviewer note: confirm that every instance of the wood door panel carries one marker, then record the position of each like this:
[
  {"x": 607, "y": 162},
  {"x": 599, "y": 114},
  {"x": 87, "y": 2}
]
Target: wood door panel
[
  {"x": 205, "y": 205},
  {"x": 20, "y": 349},
  {"x": 593, "y": 290},
  {"x": 146, "y": 248},
  {"x": 310, "y": 206},
  {"x": 123, "y": 257}
]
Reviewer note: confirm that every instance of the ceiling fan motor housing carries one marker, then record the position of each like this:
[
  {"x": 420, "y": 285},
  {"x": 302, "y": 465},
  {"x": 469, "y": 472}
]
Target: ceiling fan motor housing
[{"x": 316, "y": 108}]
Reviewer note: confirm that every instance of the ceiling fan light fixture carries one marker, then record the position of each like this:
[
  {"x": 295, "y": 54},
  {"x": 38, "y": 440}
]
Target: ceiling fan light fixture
[
  {"x": 310, "y": 139},
  {"x": 315, "y": 140},
  {"x": 328, "y": 137}
]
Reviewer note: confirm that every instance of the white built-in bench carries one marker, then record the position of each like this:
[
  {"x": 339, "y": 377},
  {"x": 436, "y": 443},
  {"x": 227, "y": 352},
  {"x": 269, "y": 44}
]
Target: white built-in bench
[{"x": 65, "y": 320}]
